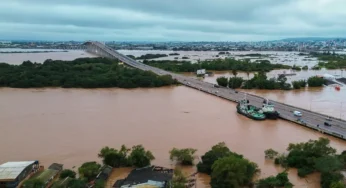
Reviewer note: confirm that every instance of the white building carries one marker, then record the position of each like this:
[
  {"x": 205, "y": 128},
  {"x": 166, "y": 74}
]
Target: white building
[{"x": 201, "y": 71}]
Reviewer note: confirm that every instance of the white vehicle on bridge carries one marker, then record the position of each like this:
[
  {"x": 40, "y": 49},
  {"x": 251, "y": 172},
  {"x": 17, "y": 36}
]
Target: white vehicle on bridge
[{"x": 297, "y": 113}]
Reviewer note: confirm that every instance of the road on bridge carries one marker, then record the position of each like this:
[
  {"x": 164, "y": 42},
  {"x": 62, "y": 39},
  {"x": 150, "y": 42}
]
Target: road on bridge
[{"x": 312, "y": 120}]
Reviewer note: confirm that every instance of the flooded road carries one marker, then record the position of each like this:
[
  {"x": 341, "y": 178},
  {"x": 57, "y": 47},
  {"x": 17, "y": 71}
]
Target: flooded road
[{"x": 70, "y": 126}]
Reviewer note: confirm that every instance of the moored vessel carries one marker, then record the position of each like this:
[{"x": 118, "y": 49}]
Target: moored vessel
[
  {"x": 250, "y": 111},
  {"x": 269, "y": 110}
]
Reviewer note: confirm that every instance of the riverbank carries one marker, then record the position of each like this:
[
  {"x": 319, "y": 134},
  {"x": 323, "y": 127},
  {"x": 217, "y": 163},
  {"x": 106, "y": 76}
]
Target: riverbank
[{"x": 165, "y": 118}]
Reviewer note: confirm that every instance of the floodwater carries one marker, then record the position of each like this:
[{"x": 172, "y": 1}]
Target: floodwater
[
  {"x": 18, "y": 58},
  {"x": 288, "y": 58},
  {"x": 70, "y": 126}
]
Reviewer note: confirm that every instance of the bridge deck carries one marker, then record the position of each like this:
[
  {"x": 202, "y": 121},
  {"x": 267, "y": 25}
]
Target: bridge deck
[{"x": 312, "y": 119}]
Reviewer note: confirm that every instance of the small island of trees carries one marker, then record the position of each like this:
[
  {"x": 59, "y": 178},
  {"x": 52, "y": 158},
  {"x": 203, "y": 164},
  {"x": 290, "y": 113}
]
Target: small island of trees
[
  {"x": 313, "y": 156},
  {"x": 79, "y": 73},
  {"x": 216, "y": 65},
  {"x": 260, "y": 81}
]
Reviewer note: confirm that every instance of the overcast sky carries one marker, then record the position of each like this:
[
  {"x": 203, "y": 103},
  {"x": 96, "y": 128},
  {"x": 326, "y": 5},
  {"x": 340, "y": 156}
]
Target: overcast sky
[{"x": 171, "y": 20}]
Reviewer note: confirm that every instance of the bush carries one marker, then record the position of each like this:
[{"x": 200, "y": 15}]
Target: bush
[
  {"x": 33, "y": 183},
  {"x": 280, "y": 180},
  {"x": 183, "y": 156},
  {"x": 89, "y": 170},
  {"x": 328, "y": 178},
  {"x": 67, "y": 173},
  {"x": 270, "y": 153},
  {"x": 299, "y": 84},
  {"x": 235, "y": 82},
  {"x": 139, "y": 157},
  {"x": 302, "y": 172},
  {"x": 232, "y": 171},
  {"x": 305, "y": 67},
  {"x": 218, "y": 151},
  {"x": 316, "y": 81},
  {"x": 222, "y": 81}
]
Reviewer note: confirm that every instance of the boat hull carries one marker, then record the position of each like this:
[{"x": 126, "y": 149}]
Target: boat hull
[
  {"x": 272, "y": 115},
  {"x": 249, "y": 115}
]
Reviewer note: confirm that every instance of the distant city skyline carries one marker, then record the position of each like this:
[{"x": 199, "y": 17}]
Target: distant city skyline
[{"x": 171, "y": 20}]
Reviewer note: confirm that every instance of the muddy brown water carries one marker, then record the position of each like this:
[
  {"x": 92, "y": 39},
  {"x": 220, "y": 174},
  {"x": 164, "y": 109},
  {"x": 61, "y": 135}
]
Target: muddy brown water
[{"x": 70, "y": 126}]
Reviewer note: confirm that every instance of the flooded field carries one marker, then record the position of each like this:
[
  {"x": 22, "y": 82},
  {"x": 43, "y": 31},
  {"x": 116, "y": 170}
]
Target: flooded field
[{"x": 70, "y": 126}]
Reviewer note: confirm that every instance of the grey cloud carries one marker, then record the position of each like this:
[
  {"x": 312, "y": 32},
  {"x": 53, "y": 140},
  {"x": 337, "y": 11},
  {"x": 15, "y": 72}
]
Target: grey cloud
[{"x": 171, "y": 19}]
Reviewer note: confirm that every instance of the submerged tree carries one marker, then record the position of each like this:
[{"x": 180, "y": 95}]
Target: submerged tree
[
  {"x": 183, "y": 156},
  {"x": 89, "y": 170},
  {"x": 232, "y": 172},
  {"x": 139, "y": 157}
]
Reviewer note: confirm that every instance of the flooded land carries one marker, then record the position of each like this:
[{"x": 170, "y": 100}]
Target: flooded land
[{"x": 70, "y": 126}]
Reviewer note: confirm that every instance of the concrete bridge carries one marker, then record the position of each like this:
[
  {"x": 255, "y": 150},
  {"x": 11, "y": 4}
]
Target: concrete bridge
[{"x": 313, "y": 120}]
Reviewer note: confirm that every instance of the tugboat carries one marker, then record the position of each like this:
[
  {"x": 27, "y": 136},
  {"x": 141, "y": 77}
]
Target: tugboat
[
  {"x": 269, "y": 110},
  {"x": 250, "y": 111}
]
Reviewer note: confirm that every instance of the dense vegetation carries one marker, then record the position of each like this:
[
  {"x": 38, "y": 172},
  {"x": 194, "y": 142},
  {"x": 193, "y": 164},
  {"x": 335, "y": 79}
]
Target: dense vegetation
[
  {"x": 183, "y": 156},
  {"x": 299, "y": 84},
  {"x": 152, "y": 56},
  {"x": 316, "y": 81},
  {"x": 331, "y": 60},
  {"x": 79, "y": 73},
  {"x": 67, "y": 173},
  {"x": 280, "y": 180},
  {"x": 137, "y": 156},
  {"x": 260, "y": 81},
  {"x": 217, "y": 64},
  {"x": 89, "y": 170},
  {"x": 33, "y": 183},
  {"x": 179, "y": 180},
  {"x": 174, "y": 54},
  {"x": 227, "y": 169},
  {"x": 235, "y": 82},
  {"x": 222, "y": 81},
  {"x": 314, "y": 156},
  {"x": 232, "y": 172}
]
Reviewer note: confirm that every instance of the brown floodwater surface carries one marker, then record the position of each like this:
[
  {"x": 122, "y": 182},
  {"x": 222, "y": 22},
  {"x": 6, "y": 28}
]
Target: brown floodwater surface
[{"x": 70, "y": 126}]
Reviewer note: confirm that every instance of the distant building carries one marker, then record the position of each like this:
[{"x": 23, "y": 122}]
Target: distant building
[
  {"x": 152, "y": 176},
  {"x": 12, "y": 173},
  {"x": 201, "y": 72}
]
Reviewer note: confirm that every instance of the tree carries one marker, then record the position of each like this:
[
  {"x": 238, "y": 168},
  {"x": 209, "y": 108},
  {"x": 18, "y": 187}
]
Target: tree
[
  {"x": 76, "y": 183},
  {"x": 67, "y": 173},
  {"x": 314, "y": 155},
  {"x": 338, "y": 184},
  {"x": 328, "y": 178},
  {"x": 218, "y": 151},
  {"x": 139, "y": 157},
  {"x": 113, "y": 157},
  {"x": 179, "y": 179},
  {"x": 222, "y": 81},
  {"x": 328, "y": 164},
  {"x": 183, "y": 156},
  {"x": 235, "y": 82},
  {"x": 234, "y": 72},
  {"x": 232, "y": 172},
  {"x": 33, "y": 183},
  {"x": 100, "y": 183},
  {"x": 89, "y": 170},
  {"x": 280, "y": 180},
  {"x": 270, "y": 153},
  {"x": 316, "y": 81}
]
